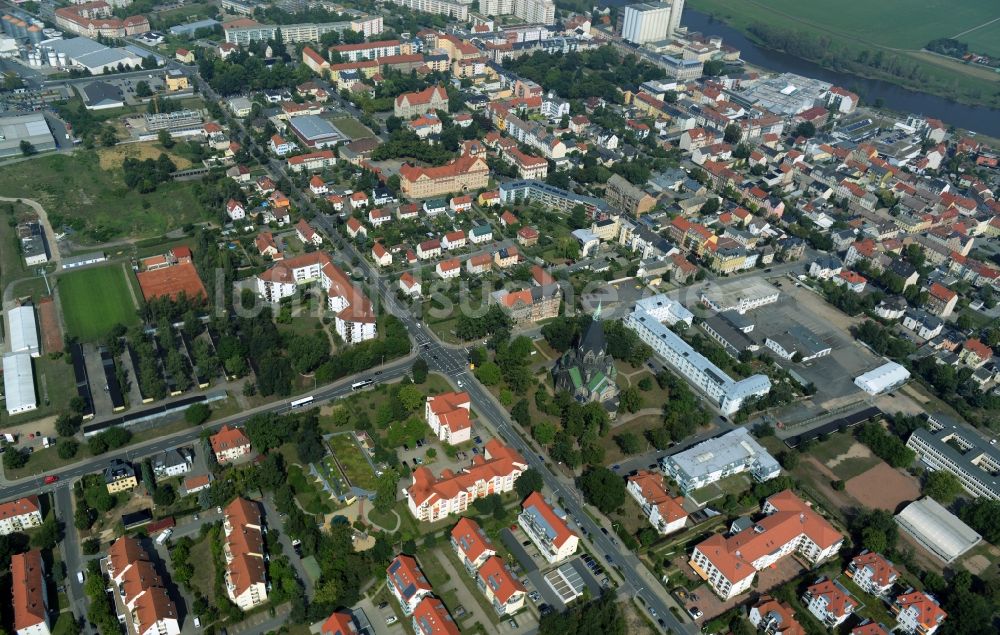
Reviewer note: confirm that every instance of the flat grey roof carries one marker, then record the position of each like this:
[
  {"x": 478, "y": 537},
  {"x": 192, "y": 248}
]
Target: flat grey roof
[
  {"x": 715, "y": 454},
  {"x": 979, "y": 451},
  {"x": 31, "y": 128},
  {"x": 314, "y": 127}
]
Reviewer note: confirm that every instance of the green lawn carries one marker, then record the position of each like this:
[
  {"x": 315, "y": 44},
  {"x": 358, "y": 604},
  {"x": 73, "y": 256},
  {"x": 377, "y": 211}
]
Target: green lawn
[
  {"x": 94, "y": 300},
  {"x": 11, "y": 262},
  {"x": 77, "y": 192},
  {"x": 838, "y": 445},
  {"x": 309, "y": 494},
  {"x": 350, "y": 456},
  {"x": 352, "y": 128}
]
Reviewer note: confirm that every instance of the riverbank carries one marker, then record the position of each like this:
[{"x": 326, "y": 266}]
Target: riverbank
[{"x": 857, "y": 55}]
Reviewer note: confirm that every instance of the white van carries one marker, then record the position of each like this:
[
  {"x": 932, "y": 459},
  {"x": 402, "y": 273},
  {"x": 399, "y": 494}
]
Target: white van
[{"x": 164, "y": 536}]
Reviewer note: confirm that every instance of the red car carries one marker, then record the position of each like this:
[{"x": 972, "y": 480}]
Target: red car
[{"x": 51, "y": 479}]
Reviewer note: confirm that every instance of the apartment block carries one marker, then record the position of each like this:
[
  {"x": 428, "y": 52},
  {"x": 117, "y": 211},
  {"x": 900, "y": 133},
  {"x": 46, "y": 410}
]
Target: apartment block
[
  {"x": 546, "y": 527},
  {"x": 246, "y": 571}
]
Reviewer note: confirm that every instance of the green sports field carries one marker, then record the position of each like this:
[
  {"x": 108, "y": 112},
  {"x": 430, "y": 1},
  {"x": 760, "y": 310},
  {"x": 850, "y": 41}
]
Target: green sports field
[{"x": 94, "y": 300}]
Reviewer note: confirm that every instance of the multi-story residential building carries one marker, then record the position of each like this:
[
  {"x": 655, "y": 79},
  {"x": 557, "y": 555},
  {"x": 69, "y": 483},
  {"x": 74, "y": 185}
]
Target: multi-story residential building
[
  {"x": 728, "y": 393},
  {"x": 829, "y": 602},
  {"x": 729, "y": 563},
  {"x": 645, "y": 22},
  {"x": 773, "y": 617},
  {"x": 354, "y": 314},
  {"x": 119, "y": 476},
  {"x": 30, "y": 598},
  {"x": 455, "y": 10},
  {"x": 246, "y": 572},
  {"x": 665, "y": 513},
  {"x": 20, "y": 514},
  {"x": 244, "y": 30},
  {"x": 547, "y": 529},
  {"x": 872, "y": 573},
  {"x": 448, "y": 416},
  {"x": 502, "y": 590},
  {"x": 454, "y": 240},
  {"x": 410, "y": 105},
  {"x": 371, "y": 50},
  {"x": 945, "y": 447},
  {"x": 142, "y": 592},
  {"x": 471, "y": 544},
  {"x": 529, "y": 305},
  {"x": 431, "y": 617},
  {"x": 432, "y": 498},
  {"x": 312, "y": 161},
  {"x": 407, "y": 582},
  {"x": 93, "y": 19},
  {"x": 535, "y": 11},
  {"x": 941, "y": 300},
  {"x": 340, "y": 623},
  {"x": 229, "y": 444},
  {"x": 515, "y": 192},
  {"x": 621, "y": 194},
  {"x": 528, "y": 167},
  {"x": 446, "y": 269},
  {"x": 918, "y": 613},
  {"x": 923, "y": 324},
  {"x": 709, "y": 461},
  {"x": 461, "y": 175}
]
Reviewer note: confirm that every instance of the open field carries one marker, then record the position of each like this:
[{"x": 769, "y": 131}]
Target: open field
[
  {"x": 11, "y": 262},
  {"x": 845, "y": 456},
  {"x": 352, "y": 128},
  {"x": 96, "y": 299},
  {"x": 884, "y": 487},
  {"x": 77, "y": 192},
  {"x": 857, "y": 22},
  {"x": 114, "y": 156},
  {"x": 914, "y": 23}
]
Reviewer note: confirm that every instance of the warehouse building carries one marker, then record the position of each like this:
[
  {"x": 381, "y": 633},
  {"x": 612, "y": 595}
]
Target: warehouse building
[
  {"x": 31, "y": 128},
  {"x": 23, "y": 330},
  {"x": 882, "y": 379},
  {"x": 316, "y": 132},
  {"x": 90, "y": 55},
  {"x": 19, "y": 383},
  {"x": 964, "y": 453},
  {"x": 936, "y": 529}
]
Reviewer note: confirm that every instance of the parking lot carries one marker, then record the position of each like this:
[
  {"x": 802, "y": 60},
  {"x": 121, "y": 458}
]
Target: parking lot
[{"x": 415, "y": 456}]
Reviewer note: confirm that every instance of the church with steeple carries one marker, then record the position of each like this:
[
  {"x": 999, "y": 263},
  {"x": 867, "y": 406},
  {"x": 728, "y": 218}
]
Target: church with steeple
[{"x": 587, "y": 371}]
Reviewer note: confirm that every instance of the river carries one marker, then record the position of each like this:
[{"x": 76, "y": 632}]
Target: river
[{"x": 975, "y": 118}]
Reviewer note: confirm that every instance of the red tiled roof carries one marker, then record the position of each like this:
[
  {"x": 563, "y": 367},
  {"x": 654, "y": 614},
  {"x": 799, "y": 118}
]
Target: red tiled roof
[
  {"x": 28, "y": 586},
  {"x": 471, "y": 539},
  {"x": 883, "y": 573},
  {"x": 495, "y": 575},
  {"x": 837, "y": 602},
  {"x": 558, "y": 525},
  {"x": 941, "y": 292},
  {"x": 651, "y": 486},
  {"x": 981, "y": 350},
  {"x": 497, "y": 461},
  {"x": 228, "y": 438},
  {"x": 928, "y": 611},
  {"x": 432, "y": 618},
  {"x": 734, "y": 556}
]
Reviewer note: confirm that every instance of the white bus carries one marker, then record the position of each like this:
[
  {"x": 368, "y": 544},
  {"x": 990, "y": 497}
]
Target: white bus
[
  {"x": 361, "y": 385},
  {"x": 298, "y": 403}
]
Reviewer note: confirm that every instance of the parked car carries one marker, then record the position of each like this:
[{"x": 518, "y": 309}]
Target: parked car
[{"x": 695, "y": 612}]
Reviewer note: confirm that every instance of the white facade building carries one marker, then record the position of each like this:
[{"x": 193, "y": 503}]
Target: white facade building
[
  {"x": 23, "y": 330},
  {"x": 714, "y": 459},
  {"x": 665, "y": 309},
  {"x": 20, "y": 514},
  {"x": 646, "y": 22},
  {"x": 695, "y": 367},
  {"x": 547, "y": 529}
]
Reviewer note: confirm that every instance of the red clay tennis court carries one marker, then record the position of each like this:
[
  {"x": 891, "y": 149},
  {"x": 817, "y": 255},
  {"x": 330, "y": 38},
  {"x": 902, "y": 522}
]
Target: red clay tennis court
[
  {"x": 171, "y": 281},
  {"x": 48, "y": 320}
]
